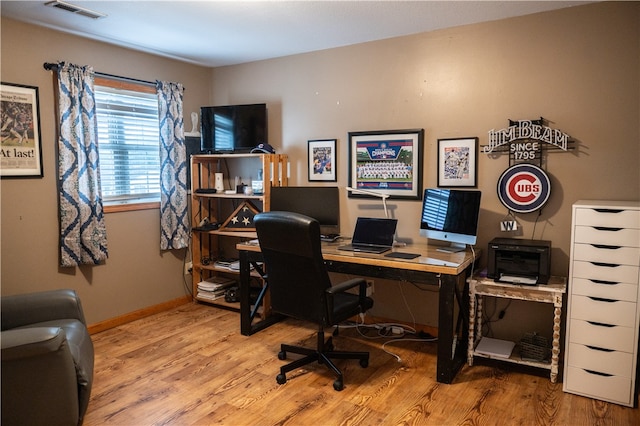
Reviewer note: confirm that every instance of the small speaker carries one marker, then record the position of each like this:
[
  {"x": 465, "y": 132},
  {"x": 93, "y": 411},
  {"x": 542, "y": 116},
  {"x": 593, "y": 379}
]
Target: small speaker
[{"x": 219, "y": 182}]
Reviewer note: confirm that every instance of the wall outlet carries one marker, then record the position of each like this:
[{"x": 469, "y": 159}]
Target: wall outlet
[
  {"x": 188, "y": 267},
  {"x": 370, "y": 288}
]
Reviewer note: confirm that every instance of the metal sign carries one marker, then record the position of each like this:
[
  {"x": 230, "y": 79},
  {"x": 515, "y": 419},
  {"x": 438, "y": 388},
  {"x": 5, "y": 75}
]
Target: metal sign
[
  {"x": 534, "y": 130},
  {"x": 524, "y": 188},
  {"x": 526, "y": 141}
]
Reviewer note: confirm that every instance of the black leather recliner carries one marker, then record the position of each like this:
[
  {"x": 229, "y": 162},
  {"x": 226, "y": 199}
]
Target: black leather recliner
[
  {"x": 300, "y": 287},
  {"x": 47, "y": 359}
]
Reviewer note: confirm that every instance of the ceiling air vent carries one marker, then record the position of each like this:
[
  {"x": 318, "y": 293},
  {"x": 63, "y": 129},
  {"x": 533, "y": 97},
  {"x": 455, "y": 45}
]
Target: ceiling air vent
[{"x": 63, "y": 5}]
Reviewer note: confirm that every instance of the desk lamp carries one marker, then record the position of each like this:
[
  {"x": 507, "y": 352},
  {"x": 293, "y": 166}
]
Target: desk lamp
[
  {"x": 373, "y": 194},
  {"x": 384, "y": 197}
]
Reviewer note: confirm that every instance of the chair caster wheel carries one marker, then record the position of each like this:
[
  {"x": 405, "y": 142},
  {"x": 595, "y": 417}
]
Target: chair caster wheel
[
  {"x": 281, "y": 379},
  {"x": 338, "y": 385},
  {"x": 282, "y": 355},
  {"x": 364, "y": 363}
]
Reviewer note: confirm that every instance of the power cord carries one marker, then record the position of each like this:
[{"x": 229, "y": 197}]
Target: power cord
[
  {"x": 384, "y": 329},
  {"x": 187, "y": 254},
  {"x": 413, "y": 318},
  {"x": 535, "y": 224},
  {"x": 397, "y": 357}
]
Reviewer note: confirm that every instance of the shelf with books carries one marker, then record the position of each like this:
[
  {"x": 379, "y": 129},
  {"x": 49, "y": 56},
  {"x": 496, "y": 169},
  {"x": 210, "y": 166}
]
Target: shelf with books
[{"x": 222, "y": 219}]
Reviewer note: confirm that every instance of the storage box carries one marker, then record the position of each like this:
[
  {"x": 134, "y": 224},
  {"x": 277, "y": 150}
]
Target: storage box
[{"x": 534, "y": 347}]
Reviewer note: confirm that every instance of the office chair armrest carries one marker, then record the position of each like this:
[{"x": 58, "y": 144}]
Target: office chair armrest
[
  {"x": 349, "y": 284},
  {"x": 343, "y": 304}
]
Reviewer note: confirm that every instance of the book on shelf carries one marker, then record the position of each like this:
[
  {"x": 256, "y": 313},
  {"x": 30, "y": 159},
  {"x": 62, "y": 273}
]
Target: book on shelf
[
  {"x": 230, "y": 265},
  {"x": 216, "y": 283},
  {"x": 210, "y": 295},
  {"x": 225, "y": 262}
]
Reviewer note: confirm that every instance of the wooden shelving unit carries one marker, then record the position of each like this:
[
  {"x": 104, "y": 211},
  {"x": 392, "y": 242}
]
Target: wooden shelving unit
[{"x": 211, "y": 245}]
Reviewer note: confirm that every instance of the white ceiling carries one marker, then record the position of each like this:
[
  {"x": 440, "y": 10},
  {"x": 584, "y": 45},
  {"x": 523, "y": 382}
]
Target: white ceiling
[{"x": 216, "y": 33}]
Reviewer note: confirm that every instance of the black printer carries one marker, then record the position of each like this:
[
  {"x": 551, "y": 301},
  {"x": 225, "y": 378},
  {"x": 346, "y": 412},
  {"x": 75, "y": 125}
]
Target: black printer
[{"x": 519, "y": 261}]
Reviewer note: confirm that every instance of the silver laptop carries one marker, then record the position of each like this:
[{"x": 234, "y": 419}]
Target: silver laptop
[{"x": 372, "y": 235}]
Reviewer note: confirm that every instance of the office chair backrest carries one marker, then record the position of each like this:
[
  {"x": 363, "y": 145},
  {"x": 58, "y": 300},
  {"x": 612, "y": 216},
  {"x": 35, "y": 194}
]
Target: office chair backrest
[{"x": 297, "y": 277}]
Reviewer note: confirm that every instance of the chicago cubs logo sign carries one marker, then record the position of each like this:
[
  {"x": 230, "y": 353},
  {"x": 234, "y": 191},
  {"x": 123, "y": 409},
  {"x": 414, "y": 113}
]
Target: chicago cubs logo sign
[{"x": 524, "y": 188}]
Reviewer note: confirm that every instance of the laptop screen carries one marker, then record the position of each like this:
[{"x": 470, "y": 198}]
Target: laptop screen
[{"x": 374, "y": 231}]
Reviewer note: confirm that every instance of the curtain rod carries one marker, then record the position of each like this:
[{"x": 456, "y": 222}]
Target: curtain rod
[{"x": 51, "y": 66}]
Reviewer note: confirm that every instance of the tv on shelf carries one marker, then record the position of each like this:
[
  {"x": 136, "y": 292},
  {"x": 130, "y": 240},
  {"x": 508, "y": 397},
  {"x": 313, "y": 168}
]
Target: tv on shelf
[{"x": 232, "y": 128}]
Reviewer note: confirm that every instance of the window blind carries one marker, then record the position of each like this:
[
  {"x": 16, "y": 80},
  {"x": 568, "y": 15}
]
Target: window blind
[{"x": 128, "y": 142}]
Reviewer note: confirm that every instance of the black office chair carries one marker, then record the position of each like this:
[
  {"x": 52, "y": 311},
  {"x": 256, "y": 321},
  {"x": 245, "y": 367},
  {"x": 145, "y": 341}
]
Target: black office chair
[{"x": 300, "y": 287}]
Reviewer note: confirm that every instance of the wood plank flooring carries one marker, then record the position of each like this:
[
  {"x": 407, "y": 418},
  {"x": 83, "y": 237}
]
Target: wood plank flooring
[{"x": 191, "y": 366}]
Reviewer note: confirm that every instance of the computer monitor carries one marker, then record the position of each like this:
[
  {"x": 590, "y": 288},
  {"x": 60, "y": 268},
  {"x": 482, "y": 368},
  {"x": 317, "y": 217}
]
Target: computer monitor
[
  {"x": 450, "y": 215},
  {"x": 318, "y": 202}
]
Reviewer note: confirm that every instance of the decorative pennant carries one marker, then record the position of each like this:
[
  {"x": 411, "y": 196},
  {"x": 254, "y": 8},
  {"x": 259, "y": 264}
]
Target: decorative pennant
[{"x": 242, "y": 218}]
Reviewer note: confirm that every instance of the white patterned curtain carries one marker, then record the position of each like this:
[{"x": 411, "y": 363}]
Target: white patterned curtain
[
  {"x": 174, "y": 220},
  {"x": 83, "y": 235}
]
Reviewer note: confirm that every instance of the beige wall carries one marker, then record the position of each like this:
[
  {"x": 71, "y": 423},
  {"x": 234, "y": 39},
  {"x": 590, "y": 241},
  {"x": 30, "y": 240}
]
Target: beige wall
[
  {"x": 577, "y": 67},
  {"x": 137, "y": 274}
]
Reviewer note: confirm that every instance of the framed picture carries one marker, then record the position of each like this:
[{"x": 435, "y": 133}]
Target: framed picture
[
  {"x": 386, "y": 161},
  {"x": 20, "y": 143},
  {"x": 458, "y": 162},
  {"x": 322, "y": 160}
]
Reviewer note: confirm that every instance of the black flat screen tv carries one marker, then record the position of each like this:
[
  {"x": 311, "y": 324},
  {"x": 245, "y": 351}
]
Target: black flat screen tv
[
  {"x": 232, "y": 128},
  {"x": 319, "y": 202}
]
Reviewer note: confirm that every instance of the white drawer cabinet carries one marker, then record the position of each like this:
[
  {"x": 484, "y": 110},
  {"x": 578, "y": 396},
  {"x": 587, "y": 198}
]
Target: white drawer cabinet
[
  {"x": 611, "y": 337},
  {"x": 597, "y": 385},
  {"x": 603, "y": 314}
]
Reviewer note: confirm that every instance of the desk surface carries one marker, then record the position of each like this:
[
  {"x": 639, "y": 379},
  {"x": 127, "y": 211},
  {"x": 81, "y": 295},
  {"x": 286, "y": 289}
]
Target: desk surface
[{"x": 430, "y": 260}]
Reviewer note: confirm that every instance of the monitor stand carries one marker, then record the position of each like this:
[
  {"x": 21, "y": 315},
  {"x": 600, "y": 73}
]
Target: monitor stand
[{"x": 452, "y": 248}]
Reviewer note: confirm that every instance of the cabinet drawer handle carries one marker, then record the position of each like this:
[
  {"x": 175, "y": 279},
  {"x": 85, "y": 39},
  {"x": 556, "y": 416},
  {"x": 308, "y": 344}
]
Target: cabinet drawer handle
[
  {"x": 604, "y": 282},
  {"x": 606, "y": 228},
  {"x": 608, "y": 210},
  {"x": 597, "y": 373},
  {"x": 601, "y": 299},
  {"x": 605, "y": 265},
  {"x": 595, "y": 348},
  {"x": 602, "y": 246},
  {"x": 601, "y": 324}
]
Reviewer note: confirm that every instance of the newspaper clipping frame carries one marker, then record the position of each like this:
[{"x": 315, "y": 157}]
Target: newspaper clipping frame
[{"x": 20, "y": 143}]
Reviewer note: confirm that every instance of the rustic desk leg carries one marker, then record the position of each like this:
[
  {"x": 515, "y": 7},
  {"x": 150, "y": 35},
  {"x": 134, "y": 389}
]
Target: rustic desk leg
[
  {"x": 247, "y": 325},
  {"x": 448, "y": 363},
  {"x": 472, "y": 320},
  {"x": 555, "y": 350},
  {"x": 244, "y": 289},
  {"x": 479, "y": 303}
]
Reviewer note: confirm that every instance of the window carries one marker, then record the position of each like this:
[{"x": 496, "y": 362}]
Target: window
[{"x": 128, "y": 142}]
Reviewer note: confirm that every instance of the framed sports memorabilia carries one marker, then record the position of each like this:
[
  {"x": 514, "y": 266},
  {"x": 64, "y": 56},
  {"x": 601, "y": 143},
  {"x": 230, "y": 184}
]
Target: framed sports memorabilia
[{"x": 388, "y": 162}]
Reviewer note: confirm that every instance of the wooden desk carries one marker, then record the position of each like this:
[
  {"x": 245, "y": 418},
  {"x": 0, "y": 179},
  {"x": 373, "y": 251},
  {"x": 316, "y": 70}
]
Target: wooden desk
[{"x": 428, "y": 268}]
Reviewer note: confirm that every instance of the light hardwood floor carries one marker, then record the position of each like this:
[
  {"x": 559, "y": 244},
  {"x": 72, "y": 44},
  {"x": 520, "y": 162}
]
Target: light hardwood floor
[{"x": 191, "y": 366}]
